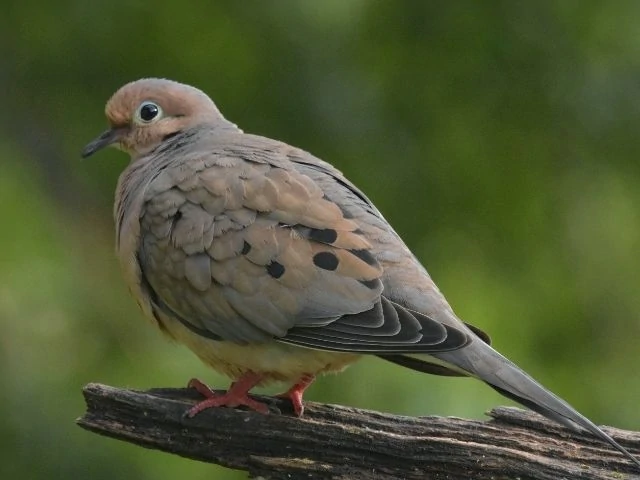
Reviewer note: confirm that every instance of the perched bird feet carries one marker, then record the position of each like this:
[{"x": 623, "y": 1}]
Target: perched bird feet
[
  {"x": 294, "y": 394},
  {"x": 236, "y": 396}
]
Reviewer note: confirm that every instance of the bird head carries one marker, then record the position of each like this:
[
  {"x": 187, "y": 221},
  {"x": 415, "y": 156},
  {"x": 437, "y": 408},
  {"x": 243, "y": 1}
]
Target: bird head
[{"x": 145, "y": 113}]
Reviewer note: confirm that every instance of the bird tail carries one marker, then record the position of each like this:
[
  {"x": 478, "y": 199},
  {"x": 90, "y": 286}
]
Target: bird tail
[{"x": 481, "y": 361}]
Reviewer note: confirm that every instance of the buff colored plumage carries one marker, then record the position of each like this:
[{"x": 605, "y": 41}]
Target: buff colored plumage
[{"x": 271, "y": 266}]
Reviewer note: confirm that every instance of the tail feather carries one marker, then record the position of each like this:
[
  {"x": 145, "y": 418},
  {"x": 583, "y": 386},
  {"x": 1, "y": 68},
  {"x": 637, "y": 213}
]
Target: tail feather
[{"x": 484, "y": 363}]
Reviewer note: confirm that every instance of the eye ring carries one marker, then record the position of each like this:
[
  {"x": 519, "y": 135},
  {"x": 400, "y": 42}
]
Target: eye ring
[{"x": 148, "y": 112}]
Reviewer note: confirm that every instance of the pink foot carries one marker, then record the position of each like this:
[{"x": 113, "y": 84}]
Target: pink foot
[
  {"x": 295, "y": 393},
  {"x": 236, "y": 396}
]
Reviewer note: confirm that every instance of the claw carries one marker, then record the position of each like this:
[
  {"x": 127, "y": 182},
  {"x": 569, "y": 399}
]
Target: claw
[
  {"x": 236, "y": 396},
  {"x": 295, "y": 393}
]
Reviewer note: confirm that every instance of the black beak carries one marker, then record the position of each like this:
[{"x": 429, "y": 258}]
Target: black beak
[{"x": 107, "y": 138}]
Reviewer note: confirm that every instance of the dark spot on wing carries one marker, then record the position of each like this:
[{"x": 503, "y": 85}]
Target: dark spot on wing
[
  {"x": 365, "y": 256},
  {"x": 275, "y": 269},
  {"x": 325, "y": 260},
  {"x": 326, "y": 235}
]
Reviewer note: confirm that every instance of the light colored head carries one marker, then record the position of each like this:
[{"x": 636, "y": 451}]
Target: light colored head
[{"x": 144, "y": 113}]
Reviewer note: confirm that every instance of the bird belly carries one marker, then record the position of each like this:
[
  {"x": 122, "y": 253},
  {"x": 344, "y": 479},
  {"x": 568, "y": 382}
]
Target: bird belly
[{"x": 277, "y": 362}]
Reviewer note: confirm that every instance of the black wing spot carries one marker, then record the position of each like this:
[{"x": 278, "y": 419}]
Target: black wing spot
[
  {"x": 326, "y": 235},
  {"x": 246, "y": 248},
  {"x": 366, "y": 256},
  {"x": 275, "y": 269},
  {"x": 326, "y": 261}
]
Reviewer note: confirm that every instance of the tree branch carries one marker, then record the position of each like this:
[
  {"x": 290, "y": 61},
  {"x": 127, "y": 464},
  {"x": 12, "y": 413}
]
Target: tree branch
[{"x": 347, "y": 443}]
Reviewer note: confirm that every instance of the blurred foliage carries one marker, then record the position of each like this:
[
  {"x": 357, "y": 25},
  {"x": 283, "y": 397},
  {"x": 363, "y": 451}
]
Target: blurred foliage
[{"x": 498, "y": 138}]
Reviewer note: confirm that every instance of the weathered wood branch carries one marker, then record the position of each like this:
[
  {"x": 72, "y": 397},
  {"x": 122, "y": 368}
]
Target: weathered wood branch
[{"x": 334, "y": 442}]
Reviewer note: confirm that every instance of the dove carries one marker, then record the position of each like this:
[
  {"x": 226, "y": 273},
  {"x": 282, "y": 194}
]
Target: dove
[{"x": 271, "y": 266}]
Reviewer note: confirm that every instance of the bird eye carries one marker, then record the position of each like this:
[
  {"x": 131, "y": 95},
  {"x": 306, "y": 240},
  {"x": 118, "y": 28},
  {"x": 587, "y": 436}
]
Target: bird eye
[{"x": 148, "y": 112}]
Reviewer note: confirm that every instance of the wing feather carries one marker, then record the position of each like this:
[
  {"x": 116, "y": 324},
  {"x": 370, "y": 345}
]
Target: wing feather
[{"x": 248, "y": 247}]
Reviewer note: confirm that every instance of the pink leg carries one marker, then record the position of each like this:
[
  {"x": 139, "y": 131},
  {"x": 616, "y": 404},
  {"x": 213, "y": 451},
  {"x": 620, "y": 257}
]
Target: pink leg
[
  {"x": 295, "y": 393},
  {"x": 237, "y": 395}
]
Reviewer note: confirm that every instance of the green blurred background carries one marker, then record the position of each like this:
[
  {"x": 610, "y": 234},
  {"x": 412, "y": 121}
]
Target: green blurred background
[{"x": 499, "y": 138}]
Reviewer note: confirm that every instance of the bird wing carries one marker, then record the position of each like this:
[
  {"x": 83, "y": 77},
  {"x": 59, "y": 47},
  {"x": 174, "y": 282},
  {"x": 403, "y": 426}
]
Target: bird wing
[{"x": 239, "y": 243}]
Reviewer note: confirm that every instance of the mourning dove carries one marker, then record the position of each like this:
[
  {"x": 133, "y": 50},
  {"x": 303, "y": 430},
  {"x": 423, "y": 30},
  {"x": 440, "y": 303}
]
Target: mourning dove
[{"x": 272, "y": 266}]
